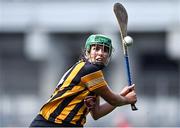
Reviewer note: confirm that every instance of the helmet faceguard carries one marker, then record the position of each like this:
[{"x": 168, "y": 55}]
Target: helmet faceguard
[{"x": 95, "y": 40}]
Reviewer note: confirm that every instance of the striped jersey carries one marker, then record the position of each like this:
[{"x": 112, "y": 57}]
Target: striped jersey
[{"x": 67, "y": 102}]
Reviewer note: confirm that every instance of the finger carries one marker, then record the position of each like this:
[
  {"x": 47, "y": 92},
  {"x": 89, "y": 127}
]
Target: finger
[
  {"x": 132, "y": 87},
  {"x": 87, "y": 97},
  {"x": 90, "y": 99}
]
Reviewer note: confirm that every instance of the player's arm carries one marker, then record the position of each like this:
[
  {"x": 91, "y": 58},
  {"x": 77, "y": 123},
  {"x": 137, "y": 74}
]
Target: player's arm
[
  {"x": 97, "y": 111},
  {"x": 116, "y": 99},
  {"x": 95, "y": 82}
]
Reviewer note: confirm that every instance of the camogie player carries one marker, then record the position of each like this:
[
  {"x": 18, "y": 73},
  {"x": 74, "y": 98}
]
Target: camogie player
[{"x": 81, "y": 87}]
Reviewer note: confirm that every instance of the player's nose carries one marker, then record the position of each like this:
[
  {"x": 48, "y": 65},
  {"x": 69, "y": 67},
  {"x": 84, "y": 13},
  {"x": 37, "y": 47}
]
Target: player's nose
[{"x": 100, "y": 51}]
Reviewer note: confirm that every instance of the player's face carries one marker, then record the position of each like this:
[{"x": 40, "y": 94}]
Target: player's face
[{"x": 99, "y": 54}]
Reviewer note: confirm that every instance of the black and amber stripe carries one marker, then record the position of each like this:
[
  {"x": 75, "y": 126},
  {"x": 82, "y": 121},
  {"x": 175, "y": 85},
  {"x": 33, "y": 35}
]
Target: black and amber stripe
[{"x": 67, "y": 102}]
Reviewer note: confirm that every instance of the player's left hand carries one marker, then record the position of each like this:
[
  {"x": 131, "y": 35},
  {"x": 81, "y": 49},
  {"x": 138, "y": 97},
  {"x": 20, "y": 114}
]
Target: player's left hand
[{"x": 90, "y": 102}]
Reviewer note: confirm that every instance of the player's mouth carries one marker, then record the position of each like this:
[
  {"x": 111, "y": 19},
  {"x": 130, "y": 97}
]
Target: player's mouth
[{"x": 99, "y": 59}]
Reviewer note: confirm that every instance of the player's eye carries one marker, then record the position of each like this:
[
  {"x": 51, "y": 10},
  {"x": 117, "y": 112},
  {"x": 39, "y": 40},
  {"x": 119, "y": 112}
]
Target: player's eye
[
  {"x": 94, "y": 48},
  {"x": 98, "y": 48},
  {"x": 106, "y": 49}
]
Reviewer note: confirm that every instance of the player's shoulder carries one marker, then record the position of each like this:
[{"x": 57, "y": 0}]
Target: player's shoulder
[{"x": 90, "y": 68}]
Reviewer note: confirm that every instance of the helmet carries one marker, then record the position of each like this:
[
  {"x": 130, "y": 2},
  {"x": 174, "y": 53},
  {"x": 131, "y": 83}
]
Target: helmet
[{"x": 98, "y": 39}]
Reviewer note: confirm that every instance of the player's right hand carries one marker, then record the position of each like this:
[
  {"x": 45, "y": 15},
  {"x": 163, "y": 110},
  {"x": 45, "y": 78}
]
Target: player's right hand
[
  {"x": 131, "y": 97},
  {"x": 129, "y": 93},
  {"x": 127, "y": 89}
]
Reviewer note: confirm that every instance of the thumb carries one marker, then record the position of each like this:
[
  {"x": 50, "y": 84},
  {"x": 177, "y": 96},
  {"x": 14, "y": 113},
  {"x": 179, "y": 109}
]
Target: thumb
[{"x": 132, "y": 87}]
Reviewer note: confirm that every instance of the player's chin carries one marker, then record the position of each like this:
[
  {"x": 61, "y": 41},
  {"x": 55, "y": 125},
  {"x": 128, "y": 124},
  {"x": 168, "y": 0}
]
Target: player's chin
[{"x": 101, "y": 63}]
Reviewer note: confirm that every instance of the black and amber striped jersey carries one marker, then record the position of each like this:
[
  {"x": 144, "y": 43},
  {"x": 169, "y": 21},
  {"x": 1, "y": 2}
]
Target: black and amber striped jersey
[{"x": 67, "y": 102}]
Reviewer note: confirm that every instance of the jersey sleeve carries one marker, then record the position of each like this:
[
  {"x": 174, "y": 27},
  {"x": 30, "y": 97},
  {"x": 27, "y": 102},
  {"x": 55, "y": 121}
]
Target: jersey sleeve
[{"x": 94, "y": 80}]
